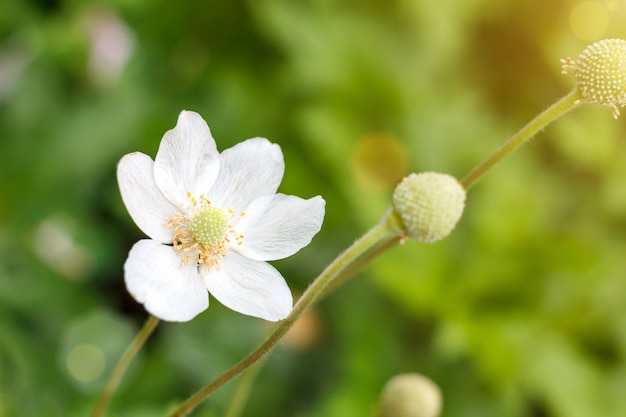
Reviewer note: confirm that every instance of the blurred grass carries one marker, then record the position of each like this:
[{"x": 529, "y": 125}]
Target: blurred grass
[{"x": 519, "y": 313}]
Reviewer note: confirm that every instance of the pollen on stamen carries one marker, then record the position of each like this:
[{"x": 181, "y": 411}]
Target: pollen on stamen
[
  {"x": 191, "y": 198},
  {"x": 204, "y": 236}
]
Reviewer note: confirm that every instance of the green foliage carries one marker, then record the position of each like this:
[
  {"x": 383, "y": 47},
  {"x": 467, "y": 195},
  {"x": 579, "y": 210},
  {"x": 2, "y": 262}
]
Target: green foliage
[{"x": 520, "y": 312}]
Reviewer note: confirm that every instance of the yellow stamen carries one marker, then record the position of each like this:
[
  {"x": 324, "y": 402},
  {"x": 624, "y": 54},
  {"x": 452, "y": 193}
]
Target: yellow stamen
[{"x": 204, "y": 236}]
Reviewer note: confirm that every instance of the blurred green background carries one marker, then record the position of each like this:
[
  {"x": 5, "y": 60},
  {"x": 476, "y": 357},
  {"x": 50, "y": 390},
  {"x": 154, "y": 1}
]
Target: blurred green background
[{"x": 521, "y": 312}]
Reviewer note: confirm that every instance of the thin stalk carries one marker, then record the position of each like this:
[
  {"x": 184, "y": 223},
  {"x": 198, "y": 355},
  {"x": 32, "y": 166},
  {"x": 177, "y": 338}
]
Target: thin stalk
[
  {"x": 240, "y": 398},
  {"x": 123, "y": 364},
  {"x": 556, "y": 110},
  {"x": 360, "y": 262},
  {"x": 388, "y": 230}
]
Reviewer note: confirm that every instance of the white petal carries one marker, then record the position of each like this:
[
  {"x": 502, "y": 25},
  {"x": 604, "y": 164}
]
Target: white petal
[
  {"x": 278, "y": 226},
  {"x": 187, "y": 160},
  {"x": 248, "y": 170},
  {"x": 249, "y": 287},
  {"x": 154, "y": 278},
  {"x": 144, "y": 201}
]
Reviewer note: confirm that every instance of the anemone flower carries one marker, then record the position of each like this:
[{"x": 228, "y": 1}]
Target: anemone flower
[{"x": 213, "y": 220}]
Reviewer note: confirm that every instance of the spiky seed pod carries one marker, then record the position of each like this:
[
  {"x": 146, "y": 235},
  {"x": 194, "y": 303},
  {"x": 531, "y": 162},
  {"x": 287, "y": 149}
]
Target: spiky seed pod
[
  {"x": 430, "y": 204},
  {"x": 600, "y": 73}
]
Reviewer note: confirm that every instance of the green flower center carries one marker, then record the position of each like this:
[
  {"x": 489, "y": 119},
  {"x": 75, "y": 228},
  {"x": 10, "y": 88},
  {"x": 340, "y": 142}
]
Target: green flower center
[{"x": 209, "y": 226}]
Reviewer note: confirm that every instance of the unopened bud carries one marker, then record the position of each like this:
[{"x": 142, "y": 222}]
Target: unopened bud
[
  {"x": 410, "y": 395},
  {"x": 600, "y": 73},
  {"x": 430, "y": 204}
]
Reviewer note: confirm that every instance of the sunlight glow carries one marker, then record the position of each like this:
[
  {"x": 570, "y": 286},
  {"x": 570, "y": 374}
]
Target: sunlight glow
[{"x": 589, "y": 20}]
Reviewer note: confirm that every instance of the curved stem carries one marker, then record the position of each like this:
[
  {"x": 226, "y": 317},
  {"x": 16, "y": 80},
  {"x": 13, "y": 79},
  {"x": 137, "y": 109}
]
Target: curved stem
[
  {"x": 123, "y": 364},
  {"x": 243, "y": 390},
  {"x": 556, "y": 110},
  {"x": 388, "y": 231}
]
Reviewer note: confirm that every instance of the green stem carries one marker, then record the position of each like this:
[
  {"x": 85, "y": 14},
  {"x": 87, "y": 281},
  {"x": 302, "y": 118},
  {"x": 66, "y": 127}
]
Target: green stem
[
  {"x": 360, "y": 262},
  {"x": 243, "y": 390},
  {"x": 122, "y": 365},
  {"x": 556, "y": 110},
  {"x": 389, "y": 230}
]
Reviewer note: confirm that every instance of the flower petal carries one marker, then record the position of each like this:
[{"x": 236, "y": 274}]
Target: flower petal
[
  {"x": 248, "y": 170},
  {"x": 278, "y": 226},
  {"x": 249, "y": 287},
  {"x": 144, "y": 201},
  {"x": 154, "y": 277},
  {"x": 187, "y": 160}
]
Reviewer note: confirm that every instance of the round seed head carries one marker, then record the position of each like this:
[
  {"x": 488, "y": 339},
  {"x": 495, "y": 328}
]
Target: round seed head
[
  {"x": 600, "y": 73},
  {"x": 430, "y": 204},
  {"x": 410, "y": 395}
]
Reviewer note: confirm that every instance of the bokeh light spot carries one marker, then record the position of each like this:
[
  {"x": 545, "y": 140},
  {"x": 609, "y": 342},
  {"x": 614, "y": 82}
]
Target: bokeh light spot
[
  {"x": 612, "y": 5},
  {"x": 589, "y": 20},
  {"x": 86, "y": 362},
  {"x": 56, "y": 246},
  {"x": 306, "y": 332},
  {"x": 379, "y": 161}
]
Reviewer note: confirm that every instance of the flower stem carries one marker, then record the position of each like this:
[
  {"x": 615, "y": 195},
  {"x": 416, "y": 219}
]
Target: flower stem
[
  {"x": 382, "y": 236},
  {"x": 243, "y": 390},
  {"x": 123, "y": 364},
  {"x": 556, "y": 110}
]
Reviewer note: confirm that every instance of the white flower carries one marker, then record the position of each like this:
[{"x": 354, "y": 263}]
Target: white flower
[{"x": 213, "y": 220}]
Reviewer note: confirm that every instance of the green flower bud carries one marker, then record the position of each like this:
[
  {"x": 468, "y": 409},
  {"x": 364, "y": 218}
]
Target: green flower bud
[
  {"x": 410, "y": 395},
  {"x": 600, "y": 73},
  {"x": 430, "y": 205}
]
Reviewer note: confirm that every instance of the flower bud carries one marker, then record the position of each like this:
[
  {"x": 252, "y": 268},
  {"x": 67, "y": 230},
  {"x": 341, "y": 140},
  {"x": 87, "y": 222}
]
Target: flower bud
[
  {"x": 600, "y": 73},
  {"x": 430, "y": 205},
  {"x": 410, "y": 395}
]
